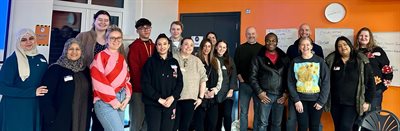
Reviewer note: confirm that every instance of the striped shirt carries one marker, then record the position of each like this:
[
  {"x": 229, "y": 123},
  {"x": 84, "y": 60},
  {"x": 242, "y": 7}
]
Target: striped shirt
[{"x": 109, "y": 72}]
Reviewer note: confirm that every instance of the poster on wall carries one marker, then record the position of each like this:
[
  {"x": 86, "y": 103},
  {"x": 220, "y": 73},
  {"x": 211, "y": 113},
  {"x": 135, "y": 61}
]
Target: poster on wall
[
  {"x": 286, "y": 36},
  {"x": 390, "y": 43},
  {"x": 42, "y": 35},
  {"x": 326, "y": 37}
]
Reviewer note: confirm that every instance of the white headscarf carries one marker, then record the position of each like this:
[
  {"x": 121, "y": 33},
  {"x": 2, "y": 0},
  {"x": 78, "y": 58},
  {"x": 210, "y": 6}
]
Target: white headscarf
[{"x": 22, "y": 59}]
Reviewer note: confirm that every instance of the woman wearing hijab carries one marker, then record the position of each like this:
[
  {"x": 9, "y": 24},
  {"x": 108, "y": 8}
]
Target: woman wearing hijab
[
  {"x": 67, "y": 105},
  {"x": 20, "y": 78}
]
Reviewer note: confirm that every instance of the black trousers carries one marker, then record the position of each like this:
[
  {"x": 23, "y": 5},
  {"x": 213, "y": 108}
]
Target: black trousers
[
  {"x": 184, "y": 114},
  {"x": 205, "y": 117},
  {"x": 225, "y": 115},
  {"x": 310, "y": 118},
  {"x": 159, "y": 118},
  {"x": 344, "y": 117}
]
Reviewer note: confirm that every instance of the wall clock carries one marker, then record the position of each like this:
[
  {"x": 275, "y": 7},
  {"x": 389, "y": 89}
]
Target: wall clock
[{"x": 335, "y": 12}]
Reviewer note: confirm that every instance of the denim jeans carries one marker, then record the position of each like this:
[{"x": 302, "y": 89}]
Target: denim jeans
[
  {"x": 265, "y": 111},
  {"x": 110, "y": 119},
  {"x": 245, "y": 94},
  {"x": 376, "y": 103}
]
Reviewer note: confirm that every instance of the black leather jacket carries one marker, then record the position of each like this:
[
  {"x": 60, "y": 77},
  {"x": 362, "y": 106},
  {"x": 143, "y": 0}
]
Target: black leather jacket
[{"x": 268, "y": 77}]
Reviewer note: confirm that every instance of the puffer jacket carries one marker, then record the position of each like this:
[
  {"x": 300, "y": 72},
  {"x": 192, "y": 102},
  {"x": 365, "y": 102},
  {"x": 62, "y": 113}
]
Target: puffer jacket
[{"x": 269, "y": 77}]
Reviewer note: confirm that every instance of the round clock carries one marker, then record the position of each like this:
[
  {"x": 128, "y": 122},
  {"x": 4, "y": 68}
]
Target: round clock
[{"x": 335, "y": 12}]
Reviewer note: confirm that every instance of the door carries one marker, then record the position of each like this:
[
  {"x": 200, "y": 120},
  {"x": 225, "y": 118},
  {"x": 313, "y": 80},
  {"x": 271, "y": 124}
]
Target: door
[{"x": 225, "y": 25}]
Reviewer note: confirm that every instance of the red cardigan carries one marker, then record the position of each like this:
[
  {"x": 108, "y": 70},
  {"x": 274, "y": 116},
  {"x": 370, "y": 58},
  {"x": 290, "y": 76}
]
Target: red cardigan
[{"x": 138, "y": 54}]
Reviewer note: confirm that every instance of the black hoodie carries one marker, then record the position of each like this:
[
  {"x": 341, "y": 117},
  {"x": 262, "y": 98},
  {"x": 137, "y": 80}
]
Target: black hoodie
[{"x": 161, "y": 79}]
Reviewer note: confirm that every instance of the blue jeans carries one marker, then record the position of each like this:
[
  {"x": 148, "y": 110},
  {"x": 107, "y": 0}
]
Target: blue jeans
[
  {"x": 110, "y": 119},
  {"x": 265, "y": 111},
  {"x": 376, "y": 103},
  {"x": 245, "y": 94}
]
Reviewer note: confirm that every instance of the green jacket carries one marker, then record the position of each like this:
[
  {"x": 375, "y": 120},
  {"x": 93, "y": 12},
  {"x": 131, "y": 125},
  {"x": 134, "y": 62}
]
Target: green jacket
[{"x": 361, "y": 88}]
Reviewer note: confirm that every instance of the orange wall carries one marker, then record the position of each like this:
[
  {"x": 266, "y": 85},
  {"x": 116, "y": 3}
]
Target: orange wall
[{"x": 378, "y": 15}]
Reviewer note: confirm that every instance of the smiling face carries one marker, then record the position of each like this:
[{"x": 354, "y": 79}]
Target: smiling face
[
  {"x": 343, "y": 48},
  {"x": 207, "y": 48},
  {"x": 271, "y": 43},
  {"x": 221, "y": 48},
  {"x": 102, "y": 22},
  {"x": 162, "y": 46},
  {"x": 304, "y": 31},
  {"x": 74, "y": 52},
  {"x": 187, "y": 46},
  {"x": 364, "y": 38},
  {"x": 212, "y": 38},
  {"x": 305, "y": 47},
  {"x": 176, "y": 30},
  {"x": 27, "y": 42},
  {"x": 114, "y": 40},
  {"x": 251, "y": 35}
]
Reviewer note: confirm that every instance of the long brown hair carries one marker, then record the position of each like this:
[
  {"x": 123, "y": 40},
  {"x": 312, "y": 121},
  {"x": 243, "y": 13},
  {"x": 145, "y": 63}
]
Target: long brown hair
[
  {"x": 371, "y": 44},
  {"x": 211, "y": 58},
  {"x": 227, "y": 62}
]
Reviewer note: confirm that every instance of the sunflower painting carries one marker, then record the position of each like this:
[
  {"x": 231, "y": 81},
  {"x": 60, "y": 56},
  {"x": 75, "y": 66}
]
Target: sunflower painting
[{"x": 307, "y": 74}]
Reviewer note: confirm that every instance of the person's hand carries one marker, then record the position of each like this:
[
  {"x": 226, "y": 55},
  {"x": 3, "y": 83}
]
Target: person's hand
[
  {"x": 169, "y": 101},
  {"x": 229, "y": 94},
  {"x": 365, "y": 106},
  {"x": 264, "y": 98},
  {"x": 299, "y": 106},
  {"x": 162, "y": 101},
  {"x": 317, "y": 106},
  {"x": 197, "y": 103},
  {"x": 209, "y": 94},
  {"x": 41, "y": 91},
  {"x": 124, "y": 103},
  {"x": 116, "y": 106},
  {"x": 282, "y": 99}
]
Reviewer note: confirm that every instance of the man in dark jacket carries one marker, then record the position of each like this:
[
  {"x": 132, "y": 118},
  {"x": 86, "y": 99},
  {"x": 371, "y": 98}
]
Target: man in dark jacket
[{"x": 268, "y": 73}]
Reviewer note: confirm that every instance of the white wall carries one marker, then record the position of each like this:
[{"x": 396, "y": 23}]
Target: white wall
[{"x": 28, "y": 14}]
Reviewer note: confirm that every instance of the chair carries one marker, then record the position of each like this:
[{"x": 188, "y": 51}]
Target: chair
[{"x": 380, "y": 120}]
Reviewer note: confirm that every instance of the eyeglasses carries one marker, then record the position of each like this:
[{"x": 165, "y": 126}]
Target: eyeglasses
[
  {"x": 143, "y": 28},
  {"x": 115, "y": 39}
]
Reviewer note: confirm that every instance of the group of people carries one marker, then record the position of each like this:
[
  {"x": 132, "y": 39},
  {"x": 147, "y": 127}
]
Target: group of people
[
  {"x": 93, "y": 81},
  {"x": 349, "y": 82},
  {"x": 169, "y": 86}
]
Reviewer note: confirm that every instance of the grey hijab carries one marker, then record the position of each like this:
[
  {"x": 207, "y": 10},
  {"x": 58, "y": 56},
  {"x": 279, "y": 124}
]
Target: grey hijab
[{"x": 63, "y": 61}]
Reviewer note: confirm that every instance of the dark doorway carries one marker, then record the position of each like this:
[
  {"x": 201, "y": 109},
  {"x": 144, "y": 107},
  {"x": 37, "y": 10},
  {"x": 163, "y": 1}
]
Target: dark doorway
[{"x": 225, "y": 25}]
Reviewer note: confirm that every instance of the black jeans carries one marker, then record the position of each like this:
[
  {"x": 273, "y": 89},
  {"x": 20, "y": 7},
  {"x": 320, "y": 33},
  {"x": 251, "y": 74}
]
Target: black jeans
[
  {"x": 310, "y": 118},
  {"x": 159, "y": 118},
  {"x": 343, "y": 116},
  {"x": 205, "y": 117},
  {"x": 225, "y": 115},
  {"x": 184, "y": 114}
]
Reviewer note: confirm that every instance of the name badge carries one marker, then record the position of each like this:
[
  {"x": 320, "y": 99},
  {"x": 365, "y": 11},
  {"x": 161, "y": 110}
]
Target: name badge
[
  {"x": 223, "y": 67},
  {"x": 175, "y": 73},
  {"x": 336, "y": 68},
  {"x": 68, "y": 78},
  {"x": 42, "y": 60}
]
